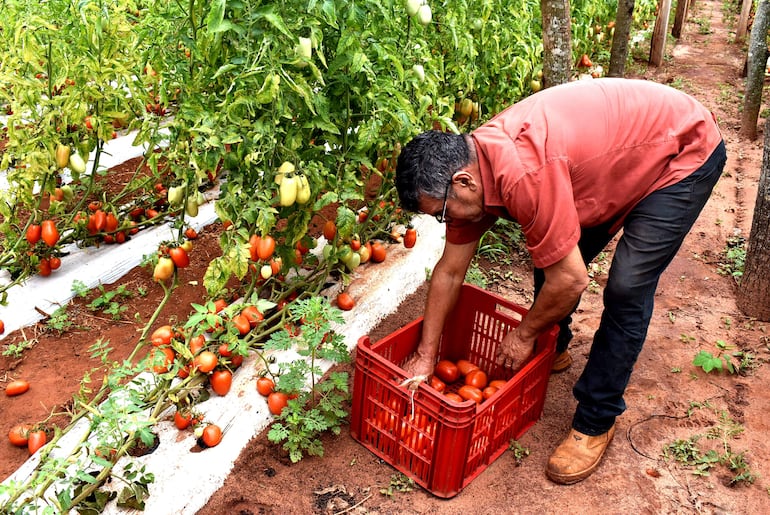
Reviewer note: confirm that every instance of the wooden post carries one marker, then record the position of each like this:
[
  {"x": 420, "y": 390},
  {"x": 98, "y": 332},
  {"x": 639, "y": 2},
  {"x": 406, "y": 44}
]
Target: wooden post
[
  {"x": 682, "y": 6},
  {"x": 659, "y": 33},
  {"x": 743, "y": 22}
]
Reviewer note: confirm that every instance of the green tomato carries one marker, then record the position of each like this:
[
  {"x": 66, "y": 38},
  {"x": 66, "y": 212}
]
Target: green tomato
[
  {"x": 303, "y": 189},
  {"x": 424, "y": 14},
  {"x": 176, "y": 195},
  {"x": 288, "y": 190},
  {"x": 419, "y": 71},
  {"x": 412, "y": 6},
  {"x": 76, "y": 163},
  {"x": 191, "y": 206}
]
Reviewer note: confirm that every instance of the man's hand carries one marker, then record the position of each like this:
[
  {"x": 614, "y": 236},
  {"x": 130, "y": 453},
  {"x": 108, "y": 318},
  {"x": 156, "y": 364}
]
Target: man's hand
[
  {"x": 514, "y": 350},
  {"x": 420, "y": 365}
]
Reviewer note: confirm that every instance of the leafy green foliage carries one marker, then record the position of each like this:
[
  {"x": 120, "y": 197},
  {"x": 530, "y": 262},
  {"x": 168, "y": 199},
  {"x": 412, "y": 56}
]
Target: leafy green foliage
[{"x": 689, "y": 453}]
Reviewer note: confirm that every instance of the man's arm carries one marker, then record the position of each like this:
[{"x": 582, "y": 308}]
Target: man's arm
[
  {"x": 564, "y": 283},
  {"x": 444, "y": 288}
]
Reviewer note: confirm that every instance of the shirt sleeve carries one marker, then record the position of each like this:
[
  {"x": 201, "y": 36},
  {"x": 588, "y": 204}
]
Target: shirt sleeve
[{"x": 543, "y": 204}]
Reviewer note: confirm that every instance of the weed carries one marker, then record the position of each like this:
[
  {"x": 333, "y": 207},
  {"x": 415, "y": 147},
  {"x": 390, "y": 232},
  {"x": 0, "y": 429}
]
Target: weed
[
  {"x": 519, "y": 452},
  {"x": 689, "y": 453},
  {"x": 686, "y": 338},
  {"x": 17, "y": 349},
  {"x": 593, "y": 287},
  {"x": 59, "y": 321},
  {"x": 108, "y": 302},
  {"x": 733, "y": 258},
  {"x": 398, "y": 483},
  {"x": 476, "y": 276},
  {"x": 709, "y": 362}
]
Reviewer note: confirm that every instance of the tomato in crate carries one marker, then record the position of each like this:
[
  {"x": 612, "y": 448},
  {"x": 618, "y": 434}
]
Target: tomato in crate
[{"x": 440, "y": 443}]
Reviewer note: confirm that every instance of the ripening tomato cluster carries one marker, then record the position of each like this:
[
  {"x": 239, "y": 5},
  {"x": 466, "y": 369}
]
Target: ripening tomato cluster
[
  {"x": 104, "y": 224},
  {"x": 42, "y": 239},
  {"x": 276, "y": 400},
  {"x": 33, "y": 437},
  {"x": 261, "y": 252},
  {"x": 208, "y": 435},
  {"x": 463, "y": 381},
  {"x": 171, "y": 257}
]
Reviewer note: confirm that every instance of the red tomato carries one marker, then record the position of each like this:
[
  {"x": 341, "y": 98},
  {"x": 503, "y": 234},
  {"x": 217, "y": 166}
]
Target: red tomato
[
  {"x": 470, "y": 393},
  {"x": 330, "y": 230},
  {"x": 497, "y": 383},
  {"x": 379, "y": 253},
  {"x": 221, "y": 381},
  {"x": 16, "y": 387},
  {"x": 219, "y": 305},
  {"x": 161, "y": 359},
  {"x": 488, "y": 392},
  {"x": 253, "y": 315},
  {"x": 276, "y": 401},
  {"x": 477, "y": 378},
  {"x": 206, "y": 361},
  {"x": 266, "y": 247},
  {"x": 19, "y": 434},
  {"x": 49, "y": 233},
  {"x": 110, "y": 222},
  {"x": 355, "y": 244},
  {"x": 197, "y": 343},
  {"x": 410, "y": 237},
  {"x": 2, "y": 327},
  {"x": 179, "y": 256},
  {"x": 162, "y": 335},
  {"x": 54, "y": 262},
  {"x": 465, "y": 366},
  {"x": 265, "y": 386},
  {"x": 44, "y": 267},
  {"x": 236, "y": 361},
  {"x": 212, "y": 435},
  {"x": 453, "y": 397},
  {"x": 446, "y": 371},
  {"x": 182, "y": 420},
  {"x": 253, "y": 244},
  {"x": 345, "y": 302},
  {"x": 437, "y": 384},
  {"x": 224, "y": 350},
  {"x": 190, "y": 233},
  {"x": 242, "y": 324},
  {"x": 33, "y": 233},
  {"x": 36, "y": 439}
]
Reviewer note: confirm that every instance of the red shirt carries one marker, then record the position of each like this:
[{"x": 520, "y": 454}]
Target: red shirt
[{"x": 582, "y": 154}]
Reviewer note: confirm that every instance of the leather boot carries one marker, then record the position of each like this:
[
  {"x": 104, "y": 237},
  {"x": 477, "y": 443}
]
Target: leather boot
[
  {"x": 577, "y": 456},
  {"x": 562, "y": 362}
]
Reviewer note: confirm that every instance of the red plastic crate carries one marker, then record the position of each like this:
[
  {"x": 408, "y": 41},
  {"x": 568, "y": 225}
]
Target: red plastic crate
[{"x": 443, "y": 445}]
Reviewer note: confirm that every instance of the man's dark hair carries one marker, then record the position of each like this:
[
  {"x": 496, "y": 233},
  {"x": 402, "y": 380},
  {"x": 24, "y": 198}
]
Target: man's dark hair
[{"x": 426, "y": 166}]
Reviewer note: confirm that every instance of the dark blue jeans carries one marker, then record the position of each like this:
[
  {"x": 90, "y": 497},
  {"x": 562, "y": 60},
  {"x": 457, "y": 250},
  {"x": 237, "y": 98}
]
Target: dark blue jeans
[{"x": 652, "y": 235}]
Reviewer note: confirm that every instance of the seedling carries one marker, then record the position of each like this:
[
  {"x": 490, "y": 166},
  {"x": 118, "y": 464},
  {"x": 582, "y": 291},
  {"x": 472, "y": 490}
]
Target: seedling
[
  {"x": 398, "y": 483},
  {"x": 519, "y": 452}
]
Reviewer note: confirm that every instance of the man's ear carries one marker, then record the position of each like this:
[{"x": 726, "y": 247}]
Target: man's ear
[{"x": 464, "y": 178}]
